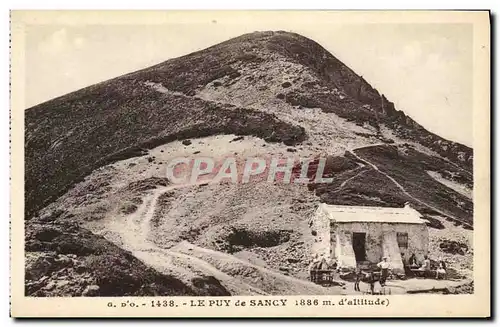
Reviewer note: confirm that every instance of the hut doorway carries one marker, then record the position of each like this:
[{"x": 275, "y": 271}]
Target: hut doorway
[{"x": 359, "y": 246}]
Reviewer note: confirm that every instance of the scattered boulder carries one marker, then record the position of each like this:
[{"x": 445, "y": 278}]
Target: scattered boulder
[
  {"x": 209, "y": 286},
  {"x": 433, "y": 222},
  {"x": 467, "y": 288},
  {"x": 147, "y": 184},
  {"x": 232, "y": 239},
  {"x": 128, "y": 208},
  {"x": 239, "y": 138},
  {"x": 91, "y": 290},
  {"x": 47, "y": 234},
  {"x": 41, "y": 266},
  {"x": 453, "y": 247},
  {"x": 187, "y": 142},
  {"x": 51, "y": 215}
]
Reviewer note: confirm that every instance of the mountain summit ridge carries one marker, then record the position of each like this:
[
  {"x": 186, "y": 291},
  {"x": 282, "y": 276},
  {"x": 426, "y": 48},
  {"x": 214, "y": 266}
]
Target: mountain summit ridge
[{"x": 331, "y": 86}]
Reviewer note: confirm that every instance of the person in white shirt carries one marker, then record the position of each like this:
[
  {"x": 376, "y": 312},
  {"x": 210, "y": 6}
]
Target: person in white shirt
[
  {"x": 384, "y": 265},
  {"x": 426, "y": 267},
  {"x": 441, "y": 270}
]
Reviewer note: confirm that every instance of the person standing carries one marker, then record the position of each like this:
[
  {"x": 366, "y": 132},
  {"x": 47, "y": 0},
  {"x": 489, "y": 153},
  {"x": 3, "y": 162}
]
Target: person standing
[
  {"x": 371, "y": 281},
  {"x": 358, "y": 276},
  {"x": 313, "y": 269},
  {"x": 384, "y": 266},
  {"x": 426, "y": 266}
]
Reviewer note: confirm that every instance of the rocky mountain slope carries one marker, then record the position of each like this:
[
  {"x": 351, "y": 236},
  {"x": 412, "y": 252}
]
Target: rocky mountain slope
[{"x": 96, "y": 158}]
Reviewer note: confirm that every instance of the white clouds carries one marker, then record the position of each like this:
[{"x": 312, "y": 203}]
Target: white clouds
[
  {"x": 60, "y": 42},
  {"x": 55, "y": 43},
  {"x": 412, "y": 52},
  {"x": 79, "y": 42}
]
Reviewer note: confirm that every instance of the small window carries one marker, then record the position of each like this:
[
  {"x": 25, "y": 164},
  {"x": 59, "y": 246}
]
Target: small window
[{"x": 403, "y": 240}]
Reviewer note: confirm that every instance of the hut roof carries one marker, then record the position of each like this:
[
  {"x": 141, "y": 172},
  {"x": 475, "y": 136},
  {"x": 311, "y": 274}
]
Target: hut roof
[{"x": 348, "y": 214}]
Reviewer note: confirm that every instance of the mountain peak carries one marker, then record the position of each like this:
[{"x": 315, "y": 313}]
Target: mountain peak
[{"x": 256, "y": 84}]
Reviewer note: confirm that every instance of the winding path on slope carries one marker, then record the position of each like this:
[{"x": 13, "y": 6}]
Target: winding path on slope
[
  {"x": 352, "y": 151},
  {"x": 134, "y": 231}
]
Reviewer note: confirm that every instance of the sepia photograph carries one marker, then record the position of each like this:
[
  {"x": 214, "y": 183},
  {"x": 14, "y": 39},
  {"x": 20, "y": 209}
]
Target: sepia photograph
[{"x": 277, "y": 160}]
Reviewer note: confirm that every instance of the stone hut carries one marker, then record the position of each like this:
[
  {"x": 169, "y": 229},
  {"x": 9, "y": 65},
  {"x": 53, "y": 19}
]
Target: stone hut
[{"x": 354, "y": 235}]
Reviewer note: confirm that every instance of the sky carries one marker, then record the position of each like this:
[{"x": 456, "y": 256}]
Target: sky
[{"x": 425, "y": 69}]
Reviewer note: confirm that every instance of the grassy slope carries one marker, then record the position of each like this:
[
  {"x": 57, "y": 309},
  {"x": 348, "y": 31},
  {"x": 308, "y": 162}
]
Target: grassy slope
[
  {"x": 69, "y": 137},
  {"x": 409, "y": 169},
  {"x": 366, "y": 186}
]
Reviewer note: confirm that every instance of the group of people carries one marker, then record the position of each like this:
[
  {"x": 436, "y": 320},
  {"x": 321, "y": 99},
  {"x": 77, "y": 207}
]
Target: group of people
[
  {"x": 425, "y": 268},
  {"x": 322, "y": 270},
  {"x": 385, "y": 267}
]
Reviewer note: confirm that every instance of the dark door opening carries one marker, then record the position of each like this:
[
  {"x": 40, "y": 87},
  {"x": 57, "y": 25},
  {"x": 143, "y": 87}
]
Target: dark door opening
[{"x": 358, "y": 244}]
